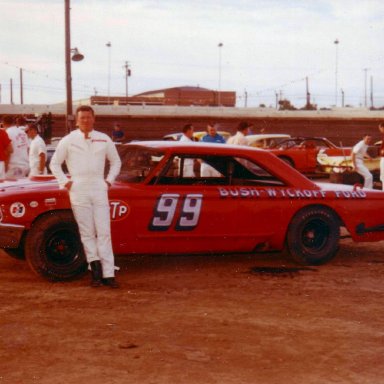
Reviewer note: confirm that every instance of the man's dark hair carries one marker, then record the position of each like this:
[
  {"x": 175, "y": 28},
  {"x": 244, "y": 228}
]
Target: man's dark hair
[
  {"x": 381, "y": 125},
  {"x": 187, "y": 127},
  {"x": 243, "y": 125},
  {"x": 32, "y": 126},
  {"x": 7, "y": 120},
  {"x": 20, "y": 121},
  {"x": 85, "y": 108}
]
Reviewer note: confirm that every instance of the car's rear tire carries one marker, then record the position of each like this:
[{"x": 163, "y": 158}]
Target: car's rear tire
[
  {"x": 313, "y": 236},
  {"x": 53, "y": 248}
]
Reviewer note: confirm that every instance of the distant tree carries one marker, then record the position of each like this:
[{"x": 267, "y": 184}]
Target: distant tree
[{"x": 285, "y": 105}]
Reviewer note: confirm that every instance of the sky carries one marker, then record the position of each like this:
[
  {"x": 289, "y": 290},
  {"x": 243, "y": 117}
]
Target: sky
[{"x": 269, "y": 49}]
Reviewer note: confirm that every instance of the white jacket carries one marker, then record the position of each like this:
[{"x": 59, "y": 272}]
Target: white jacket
[{"x": 85, "y": 158}]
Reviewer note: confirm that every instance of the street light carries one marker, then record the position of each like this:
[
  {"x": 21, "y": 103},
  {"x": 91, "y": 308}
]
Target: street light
[
  {"x": 220, "y": 45},
  {"x": 77, "y": 56},
  {"x": 109, "y": 45},
  {"x": 336, "y": 42}
]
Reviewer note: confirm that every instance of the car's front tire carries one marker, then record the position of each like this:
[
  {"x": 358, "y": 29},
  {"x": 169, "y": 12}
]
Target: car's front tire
[
  {"x": 313, "y": 235},
  {"x": 53, "y": 248}
]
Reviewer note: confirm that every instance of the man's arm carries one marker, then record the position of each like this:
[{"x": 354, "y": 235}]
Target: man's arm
[
  {"x": 57, "y": 160},
  {"x": 42, "y": 158},
  {"x": 114, "y": 162},
  {"x": 7, "y": 153}
]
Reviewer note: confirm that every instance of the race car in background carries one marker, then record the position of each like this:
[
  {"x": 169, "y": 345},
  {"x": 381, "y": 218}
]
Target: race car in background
[{"x": 256, "y": 202}]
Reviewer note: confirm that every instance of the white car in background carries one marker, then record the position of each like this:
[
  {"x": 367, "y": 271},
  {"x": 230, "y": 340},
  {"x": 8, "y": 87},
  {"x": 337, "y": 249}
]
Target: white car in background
[{"x": 266, "y": 140}]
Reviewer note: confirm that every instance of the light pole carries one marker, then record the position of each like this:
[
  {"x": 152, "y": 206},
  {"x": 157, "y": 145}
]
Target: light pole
[
  {"x": 109, "y": 45},
  {"x": 127, "y": 74},
  {"x": 77, "y": 56},
  {"x": 365, "y": 86},
  {"x": 336, "y": 42},
  {"x": 220, "y": 45}
]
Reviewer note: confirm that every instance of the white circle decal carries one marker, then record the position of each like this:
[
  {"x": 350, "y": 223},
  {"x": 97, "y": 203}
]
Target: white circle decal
[{"x": 17, "y": 209}]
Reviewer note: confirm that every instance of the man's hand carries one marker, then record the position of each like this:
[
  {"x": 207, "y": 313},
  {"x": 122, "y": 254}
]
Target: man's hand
[{"x": 68, "y": 185}]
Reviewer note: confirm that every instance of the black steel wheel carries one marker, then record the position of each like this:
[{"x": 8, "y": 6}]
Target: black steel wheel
[
  {"x": 53, "y": 248},
  {"x": 313, "y": 236}
]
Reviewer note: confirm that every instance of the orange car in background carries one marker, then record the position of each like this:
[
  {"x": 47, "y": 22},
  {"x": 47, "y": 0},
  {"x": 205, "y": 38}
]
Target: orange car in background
[{"x": 302, "y": 152}]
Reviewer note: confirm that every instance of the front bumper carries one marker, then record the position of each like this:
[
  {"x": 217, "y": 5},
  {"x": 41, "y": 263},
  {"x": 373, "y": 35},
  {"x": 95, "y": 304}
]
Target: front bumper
[{"x": 10, "y": 235}]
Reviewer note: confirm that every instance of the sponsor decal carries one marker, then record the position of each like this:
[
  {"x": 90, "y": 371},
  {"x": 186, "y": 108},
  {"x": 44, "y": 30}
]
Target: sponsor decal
[
  {"x": 119, "y": 210},
  {"x": 33, "y": 204},
  {"x": 289, "y": 193},
  {"x": 17, "y": 209},
  {"x": 50, "y": 201}
]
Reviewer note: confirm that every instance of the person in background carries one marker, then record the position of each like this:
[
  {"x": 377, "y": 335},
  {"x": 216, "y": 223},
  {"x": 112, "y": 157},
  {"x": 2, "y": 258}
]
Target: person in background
[
  {"x": 381, "y": 154},
  {"x": 239, "y": 138},
  {"x": 118, "y": 135},
  {"x": 359, "y": 153},
  {"x": 187, "y": 136},
  {"x": 37, "y": 151},
  {"x": 18, "y": 165},
  {"x": 212, "y": 136},
  {"x": 21, "y": 122},
  {"x": 86, "y": 152},
  {"x": 5, "y": 151}
]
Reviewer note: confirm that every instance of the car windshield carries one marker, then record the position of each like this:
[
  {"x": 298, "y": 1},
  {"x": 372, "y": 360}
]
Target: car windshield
[{"x": 137, "y": 163}]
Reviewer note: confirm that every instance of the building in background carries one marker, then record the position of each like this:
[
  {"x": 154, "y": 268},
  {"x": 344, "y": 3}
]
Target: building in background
[{"x": 181, "y": 96}]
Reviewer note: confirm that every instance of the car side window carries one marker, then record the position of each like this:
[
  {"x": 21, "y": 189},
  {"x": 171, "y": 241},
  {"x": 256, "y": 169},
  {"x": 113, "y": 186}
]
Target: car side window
[{"x": 214, "y": 170}]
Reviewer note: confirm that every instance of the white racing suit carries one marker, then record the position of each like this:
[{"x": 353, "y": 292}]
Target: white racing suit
[{"x": 85, "y": 159}]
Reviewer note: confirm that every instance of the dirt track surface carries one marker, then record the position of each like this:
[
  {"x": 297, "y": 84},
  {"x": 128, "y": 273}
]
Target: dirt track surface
[{"x": 205, "y": 319}]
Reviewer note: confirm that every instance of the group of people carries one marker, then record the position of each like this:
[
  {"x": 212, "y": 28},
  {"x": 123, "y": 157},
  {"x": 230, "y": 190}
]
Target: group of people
[
  {"x": 22, "y": 151},
  {"x": 214, "y": 137},
  {"x": 360, "y": 153}
]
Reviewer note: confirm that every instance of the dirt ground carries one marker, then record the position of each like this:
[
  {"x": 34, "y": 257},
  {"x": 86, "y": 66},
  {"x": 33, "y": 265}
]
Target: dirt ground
[{"x": 199, "y": 319}]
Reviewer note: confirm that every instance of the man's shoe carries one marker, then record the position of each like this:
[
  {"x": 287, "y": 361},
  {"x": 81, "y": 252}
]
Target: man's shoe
[
  {"x": 111, "y": 282},
  {"x": 97, "y": 274}
]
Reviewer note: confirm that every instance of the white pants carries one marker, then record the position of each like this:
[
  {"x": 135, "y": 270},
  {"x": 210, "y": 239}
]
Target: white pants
[
  {"x": 17, "y": 172},
  {"x": 382, "y": 172},
  {"x": 207, "y": 171},
  {"x": 362, "y": 170},
  {"x": 89, "y": 200}
]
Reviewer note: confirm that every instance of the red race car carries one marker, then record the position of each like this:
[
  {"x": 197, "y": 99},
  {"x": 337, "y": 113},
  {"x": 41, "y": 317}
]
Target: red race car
[
  {"x": 301, "y": 152},
  {"x": 254, "y": 202}
]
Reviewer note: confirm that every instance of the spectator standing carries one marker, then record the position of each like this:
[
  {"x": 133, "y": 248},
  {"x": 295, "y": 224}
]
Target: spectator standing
[
  {"x": 85, "y": 152},
  {"x": 239, "y": 138},
  {"x": 18, "y": 165},
  {"x": 359, "y": 153},
  {"x": 211, "y": 137},
  {"x": 381, "y": 153},
  {"x": 37, "y": 151},
  {"x": 186, "y": 137},
  {"x": 5, "y": 151},
  {"x": 118, "y": 135}
]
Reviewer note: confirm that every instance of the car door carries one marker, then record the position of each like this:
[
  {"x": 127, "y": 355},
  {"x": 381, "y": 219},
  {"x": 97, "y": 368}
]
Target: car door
[{"x": 177, "y": 213}]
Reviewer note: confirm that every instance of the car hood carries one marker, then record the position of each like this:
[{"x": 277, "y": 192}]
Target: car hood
[{"x": 36, "y": 182}]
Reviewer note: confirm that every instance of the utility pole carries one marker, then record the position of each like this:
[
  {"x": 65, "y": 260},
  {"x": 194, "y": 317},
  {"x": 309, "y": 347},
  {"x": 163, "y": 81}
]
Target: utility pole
[
  {"x": 372, "y": 92},
  {"x": 365, "y": 86},
  {"x": 109, "y": 45},
  {"x": 11, "y": 90},
  {"x": 276, "y": 100},
  {"x": 336, "y": 42},
  {"x": 0, "y": 93},
  {"x": 245, "y": 98},
  {"x": 21, "y": 86},
  {"x": 342, "y": 98},
  {"x": 308, "y": 94},
  {"x": 127, "y": 74}
]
